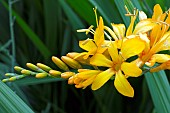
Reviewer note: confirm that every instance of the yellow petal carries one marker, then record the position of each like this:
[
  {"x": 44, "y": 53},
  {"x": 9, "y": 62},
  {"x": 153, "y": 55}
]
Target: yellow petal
[
  {"x": 87, "y": 74},
  {"x": 113, "y": 53},
  {"x": 147, "y": 44},
  {"x": 88, "y": 81},
  {"x": 131, "y": 69},
  {"x": 161, "y": 58},
  {"x": 119, "y": 30},
  {"x": 87, "y": 44},
  {"x": 122, "y": 85},
  {"x": 100, "y": 60},
  {"x": 132, "y": 47},
  {"x": 144, "y": 26},
  {"x": 163, "y": 44},
  {"x": 102, "y": 78},
  {"x": 91, "y": 52},
  {"x": 157, "y": 12},
  {"x": 99, "y": 33},
  {"x": 130, "y": 28},
  {"x": 142, "y": 15}
]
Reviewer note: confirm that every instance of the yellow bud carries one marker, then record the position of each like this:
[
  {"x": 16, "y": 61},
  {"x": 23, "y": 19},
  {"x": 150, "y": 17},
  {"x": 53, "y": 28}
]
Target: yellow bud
[
  {"x": 12, "y": 79},
  {"x": 10, "y": 74},
  {"x": 5, "y": 80},
  {"x": 77, "y": 80},
  {"x": 41, "y": 75},
  {"x": 82, "y": 70},
  {"x": 32, "y": 66},
  {"x": 60, "y": 63},
  {"x": 67, "y": 75},
  {"x": 71, "y": 62},
  {"x": 72, "y": 55},
  {"x": 71, "y": 80},
  {"x": 26, "y": 72},
  {"x": 55, "y": 73},
  {"x": 44, "y": 67},
  {"x": 17, "y": 68},
  {"x": 79, "y": 86}
]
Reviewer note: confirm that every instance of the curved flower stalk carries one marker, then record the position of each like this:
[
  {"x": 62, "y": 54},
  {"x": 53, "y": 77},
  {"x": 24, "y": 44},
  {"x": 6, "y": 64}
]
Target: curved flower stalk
[{"x": 109, "y": 54}]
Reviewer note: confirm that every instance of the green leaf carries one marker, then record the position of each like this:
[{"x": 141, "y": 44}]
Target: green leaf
[
  {"x": 31, "y": 35},
  {"x": 120, "y": 5},
  {"x": 33, "y": 81},
  {"x": 160, "y": 91},
  {"x": 10, "y": 102}
]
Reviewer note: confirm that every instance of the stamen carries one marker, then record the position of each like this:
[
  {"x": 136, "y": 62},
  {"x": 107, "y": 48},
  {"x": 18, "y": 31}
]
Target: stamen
[
  {"x": 110, "y": 38},
  {"x": 86, "y": 41},
  {"x": 89, "y": 29},
  {"x": 111, "y": 32},
  {"x": 95, "y": 12},
  {"x": 135, "y": 12}
]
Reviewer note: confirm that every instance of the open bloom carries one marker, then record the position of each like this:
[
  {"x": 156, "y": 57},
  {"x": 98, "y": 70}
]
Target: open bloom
[
  {"x": 118, "y": 65},
  {"x": 158, "y": 39},
  {"x": 96, "y": 45}
]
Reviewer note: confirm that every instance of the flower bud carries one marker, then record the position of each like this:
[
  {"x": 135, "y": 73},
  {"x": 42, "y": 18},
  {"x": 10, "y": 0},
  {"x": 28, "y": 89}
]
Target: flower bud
[
  {"x": 41, "y": 75},
  {"x": 5, "y": 80},
  {"x": 27, "y": 72},
  {"x": 17, "y": 68},
  {"x": 55, "y": 73},
  {"x": 71, "y": 62},
  {"x": 44, "y": 67},
  {"x": 10, "y": 74},
  {"x": 67, "y": 75},
  {"x": 60, "y": 63},
  {"x": 32, "y": 66}
]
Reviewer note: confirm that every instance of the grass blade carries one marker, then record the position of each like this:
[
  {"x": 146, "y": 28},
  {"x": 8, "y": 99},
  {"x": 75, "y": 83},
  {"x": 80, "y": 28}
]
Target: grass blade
[
  {"x": 10, "y": 102},
  {"x": 160, "y": 91},
  {"x": 31, "y": 35}
]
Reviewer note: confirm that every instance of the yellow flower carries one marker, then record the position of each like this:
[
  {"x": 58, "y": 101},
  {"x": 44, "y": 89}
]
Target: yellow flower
[
  {"x": 157, "y": 40},
  {"x": 96, "y": 45},
  {"x": 118, "y": 65}
]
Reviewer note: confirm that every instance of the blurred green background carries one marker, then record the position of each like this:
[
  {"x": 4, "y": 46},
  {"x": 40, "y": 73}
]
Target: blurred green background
[{"x": 43, "y": 28}]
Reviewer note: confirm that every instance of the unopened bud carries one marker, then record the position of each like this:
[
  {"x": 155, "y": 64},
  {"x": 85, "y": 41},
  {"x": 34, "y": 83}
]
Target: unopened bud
[
  {"x": 60, "y": 63},
  {"x": 77, "y": 80},
  {"x": 55, "y": 73},
  {"x": 32, "y": 66},
  {"x": 10, "y": 74},
  {"x": 44, "y": 67},
  {"x": 5, "y": 80},
  {"x": 67, "y": 75},
  {"x": 71, "y": 80},
  {"x": 72, "y": 55},
  {"x": 27, "y": 72},
  {"x": 41, "y": 75},
  {"x": 12, "y": 79},
  {"x": 71, "y": 62},
  {"x": 17, "y": 68}
]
